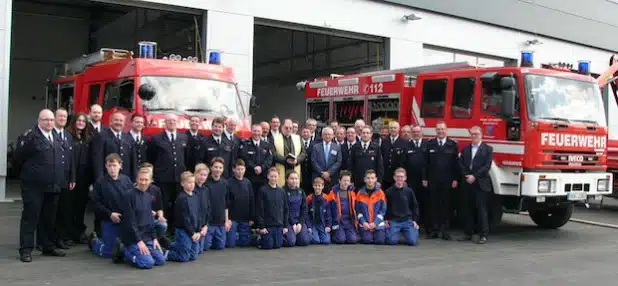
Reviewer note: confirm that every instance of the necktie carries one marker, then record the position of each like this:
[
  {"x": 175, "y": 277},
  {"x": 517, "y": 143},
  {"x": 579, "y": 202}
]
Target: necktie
[
  {"x": 97, "y": 129},
  {"x": 418, "y": 144},
  {"x": 118, "y": 135},
  {"x": 172, "y": 137},
  {"x": 49, "y": 137},
  {"x": 365, "y": 146},
  {"x": 137, "y": 139},
  {"x": 306, "y": 144},
  {"x": 326, "y": 152},
  {"x": 61, "y": 134},
  {"x": 218, "y": 141}
]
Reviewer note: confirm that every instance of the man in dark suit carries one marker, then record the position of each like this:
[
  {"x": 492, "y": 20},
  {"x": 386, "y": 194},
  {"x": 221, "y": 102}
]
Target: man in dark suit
[
  {"x": 258, "y": 157},
  {"x": 40, "y": 161},
  {"x": 305, "y": 167},
  {"x": 65, "y": 205},
  {"x": 114, "y": 140},
  {"x": 312, "y": 124},
  {"x": 96, "y": 114},
  {"x": 415, "y": 164},
  {"x": 140, "y": 144},
  {"x": 365, "y": 155},
  {"x": 393, "y": 153},
  {"x": 441, "y": 177},
  {"x": 326, "y": 159},
  {"x": 350, "y": 140},
  {"x": 475, "y": 162},
  {"x": 229, "y": 133},
  {"x": 196, "y": 143},
  {"x": 218, "y": 145},
  {"x": 168, "y": 155}
]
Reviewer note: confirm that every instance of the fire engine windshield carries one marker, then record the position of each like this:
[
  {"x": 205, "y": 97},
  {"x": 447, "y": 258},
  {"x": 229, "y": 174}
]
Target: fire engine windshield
[
  {"x": 194, "y": 95},
  {"x": 564, "y": 99}
]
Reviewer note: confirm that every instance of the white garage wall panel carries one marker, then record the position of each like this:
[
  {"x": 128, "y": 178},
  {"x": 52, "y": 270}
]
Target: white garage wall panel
[{"x": 5, "y": 48}]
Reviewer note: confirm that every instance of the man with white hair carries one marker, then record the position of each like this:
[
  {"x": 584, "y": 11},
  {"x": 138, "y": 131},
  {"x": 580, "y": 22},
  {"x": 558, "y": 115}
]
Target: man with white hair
[
  {"x": 393, "y": 153},
  {"x": 289, "y": 151},
  {"x": 358, "y": 127},
  {"x": 167, "y": 152},
  {"x": 326, "y": 159},
  {"x": 39, "y": 159},
  {"x": 312, "y": 124}
]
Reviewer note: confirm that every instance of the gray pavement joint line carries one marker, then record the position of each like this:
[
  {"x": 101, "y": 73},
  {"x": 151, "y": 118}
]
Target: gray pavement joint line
[{"x": 583, "y": 221}]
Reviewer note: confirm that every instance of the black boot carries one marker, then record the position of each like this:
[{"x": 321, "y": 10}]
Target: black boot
[
  {"x": 118, "y": 251},
  {"x": 91, "y": 239}
]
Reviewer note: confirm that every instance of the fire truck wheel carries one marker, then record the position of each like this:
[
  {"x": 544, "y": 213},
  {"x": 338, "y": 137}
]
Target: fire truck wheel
[{"x": 552, "y": 218}]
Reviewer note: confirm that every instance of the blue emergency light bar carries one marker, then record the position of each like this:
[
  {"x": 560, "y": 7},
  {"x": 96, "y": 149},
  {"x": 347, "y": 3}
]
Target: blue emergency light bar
[
  {"x": 214, "y": 57},
  {"x": 147, "y": 50},
  {"x": 527, "y": 59},
  {"x": 583, "y": 67}
]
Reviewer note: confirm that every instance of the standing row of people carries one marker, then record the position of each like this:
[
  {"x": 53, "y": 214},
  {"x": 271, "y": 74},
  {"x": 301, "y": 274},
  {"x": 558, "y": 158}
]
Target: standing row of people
[{"x": 275, "y": 145}]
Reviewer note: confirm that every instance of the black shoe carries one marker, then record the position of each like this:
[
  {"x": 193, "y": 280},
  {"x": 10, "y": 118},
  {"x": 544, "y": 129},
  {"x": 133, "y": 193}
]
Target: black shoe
[
  {"x": 164, "y": 242},
  {"x": 25, "y": 257},
  {"x": 60, "y": 244},
  {"x": 118, "y": 251},
  {"x": 432, "y": 235},
  {"x": 465, "y": 238},
  {"x": 91, "y": 239},
  {"x": 39, "y": 247},
  {"x": 446, "y": 236},
  {"x": 54, "y": 252},
  {"x": 83, "y": 239},
  {"x": 482, "y": 240}
]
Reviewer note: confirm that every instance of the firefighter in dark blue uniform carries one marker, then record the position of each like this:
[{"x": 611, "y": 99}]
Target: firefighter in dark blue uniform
[
  {"x": 167, "y": 151},
  {"x": 40, "y": 162},
  {"x": 65, "y": 203},
  {"x": 257, "y": 156},
  {"x": 114, "y": 140},
  {"x": 393, "y": 152},
  {"x": 196, "y": 144},
  {"x": 415, "y": 163},
  {"x": 365, "y": 155},
  {"x": 440, "y": 177},
  {"x": 218, "y": 145},
  {"x": 139, "y": 143}
]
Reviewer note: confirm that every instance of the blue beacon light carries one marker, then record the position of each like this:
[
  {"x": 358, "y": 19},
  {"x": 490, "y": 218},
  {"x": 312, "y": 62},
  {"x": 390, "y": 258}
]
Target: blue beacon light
[
  {"x": 214, "y": 58},
  {"x": 147, "y": 50},
  {"x": 527, "y": 59},
  {"x": 583, "y": 67}
]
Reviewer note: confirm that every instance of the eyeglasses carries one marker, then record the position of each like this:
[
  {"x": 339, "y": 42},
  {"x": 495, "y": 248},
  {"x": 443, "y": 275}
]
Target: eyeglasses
[{"x": 475, "y": 134}]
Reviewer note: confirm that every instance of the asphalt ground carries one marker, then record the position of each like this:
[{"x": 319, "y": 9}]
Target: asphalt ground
[{"x": 518, "y": 253}]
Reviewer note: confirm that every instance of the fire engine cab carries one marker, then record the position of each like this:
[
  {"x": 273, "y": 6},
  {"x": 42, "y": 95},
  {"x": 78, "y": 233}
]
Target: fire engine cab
[
  {"x": 546, "y": 125},
  {"x": 150, "y": 86}
]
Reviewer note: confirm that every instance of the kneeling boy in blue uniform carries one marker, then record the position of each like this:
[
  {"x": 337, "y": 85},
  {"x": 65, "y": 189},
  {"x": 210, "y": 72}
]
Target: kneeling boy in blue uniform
[
  {"x": 203, "y": 192},
  {"x": 241, "y": 207},
  {"x": 107, "y": 196},
  {"x": 401, "y": 211},
  {"x": 219, "y": 221},
  {"x": 318, "y": 220},
  {"x": 157, "y": 206},
  {"x": 342, "y": 200},
  {"x": 272, "y": 212},
  {"x": 137, "y": 230},
  {"x": 370, "y": 210},
  {"x": 187, "y": 222}
]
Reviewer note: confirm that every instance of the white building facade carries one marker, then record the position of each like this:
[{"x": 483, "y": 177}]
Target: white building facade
[{"x": 435, "y": 38}]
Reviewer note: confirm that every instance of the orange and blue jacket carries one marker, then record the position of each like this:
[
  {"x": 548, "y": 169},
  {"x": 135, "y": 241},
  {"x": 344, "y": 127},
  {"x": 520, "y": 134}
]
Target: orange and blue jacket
[
  {"x": 371, "y": 208},
  {"x": 319, "y": 210},
  {"x": 335, "y": 202}
]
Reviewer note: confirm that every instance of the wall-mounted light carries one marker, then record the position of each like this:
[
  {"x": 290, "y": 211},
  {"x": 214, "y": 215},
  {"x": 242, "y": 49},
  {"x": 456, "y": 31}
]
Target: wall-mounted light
[
  {"x": 411, "y": 17},
  {"x": 533, "y": 42}
]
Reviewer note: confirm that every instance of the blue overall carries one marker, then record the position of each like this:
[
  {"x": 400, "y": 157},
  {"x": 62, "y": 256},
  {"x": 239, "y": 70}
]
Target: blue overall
[
  {"x": 319, "y": 218},
  {"x": 303, "y": 238},
  {"x": 183, "y": 249},
  {"x": 215, "y": 238},
  {"x": 272, "y": 240},
  {"x": 133, "y": 256},
  {"x": 104, "y": 245},
  {"x": 239, "y": 234},
  {"x": 344, "y": 232},
  {"x": 410, "y": 233}
]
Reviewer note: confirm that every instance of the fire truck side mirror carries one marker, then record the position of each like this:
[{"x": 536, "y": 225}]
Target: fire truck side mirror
[
  {"x": 508, "y": 103},
  {"x": 146, "y": 91}
]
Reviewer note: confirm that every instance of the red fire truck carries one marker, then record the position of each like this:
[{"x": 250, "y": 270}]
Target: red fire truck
[
  {"x": 154, "y": 87},
  {"x": 546, "y": 125},
  {"x": 610, "y": 77}
]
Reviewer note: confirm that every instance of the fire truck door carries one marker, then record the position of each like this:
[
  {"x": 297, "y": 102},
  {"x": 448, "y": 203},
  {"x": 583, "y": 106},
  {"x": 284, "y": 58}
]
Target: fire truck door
[
  {"x": 382, "y": 109},
  {"x": 460, "y": 103},
  {"x": 496, "y": 123},
  {"x": 346, "y": 110}
]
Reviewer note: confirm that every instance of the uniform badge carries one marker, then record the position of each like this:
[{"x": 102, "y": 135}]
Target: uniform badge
[{"x": 227, "y": 148}]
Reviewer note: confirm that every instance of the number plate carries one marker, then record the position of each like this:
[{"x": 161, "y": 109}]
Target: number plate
[{"x": 576, "y": 196}]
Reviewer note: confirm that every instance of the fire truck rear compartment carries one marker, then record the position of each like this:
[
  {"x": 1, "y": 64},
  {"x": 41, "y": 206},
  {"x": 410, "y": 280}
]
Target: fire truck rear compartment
[{"x": 284, "y": 56}]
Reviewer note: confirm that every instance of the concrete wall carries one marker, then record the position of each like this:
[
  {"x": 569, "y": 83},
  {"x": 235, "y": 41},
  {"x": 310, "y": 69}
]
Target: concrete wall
[{"x": 5, "y": 50}]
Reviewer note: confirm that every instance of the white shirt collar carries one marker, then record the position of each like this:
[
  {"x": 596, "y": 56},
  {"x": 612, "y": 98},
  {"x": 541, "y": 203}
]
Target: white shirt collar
[
  {"x": 46, "y": 134},
  {"x": 58, "y": 130},
  {"x": 216, "y": 137},
  {"x": 227, "y": 134},
  {"x": 394, "y": 138},
  {"x": 95, "y": 125},
  {"x": 256, "y": 142},
  {"x": 135, "y": 134},
  {"x": 170, "y": 133}
]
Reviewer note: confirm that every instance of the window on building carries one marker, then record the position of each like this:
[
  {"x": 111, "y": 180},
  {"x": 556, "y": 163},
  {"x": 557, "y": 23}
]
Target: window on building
[
  {"x": 463, "y": 92},
  {"x": 434, "y": 94},
  {"x": 435, "y": 57},
  {"x": 119, "y": 94},
  {"x": 93, "y": 94}
]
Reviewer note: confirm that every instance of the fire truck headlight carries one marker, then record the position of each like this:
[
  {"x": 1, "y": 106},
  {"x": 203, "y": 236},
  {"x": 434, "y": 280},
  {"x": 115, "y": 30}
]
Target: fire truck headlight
[
  {"x": 603, "y": 185},
  {"x": 547, "y": 186}
]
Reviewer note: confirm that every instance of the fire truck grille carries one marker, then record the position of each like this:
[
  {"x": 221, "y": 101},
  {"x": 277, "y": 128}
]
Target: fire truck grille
[
  {"x": 576, "y": 187},
  {"x": 572, "y": 158}
]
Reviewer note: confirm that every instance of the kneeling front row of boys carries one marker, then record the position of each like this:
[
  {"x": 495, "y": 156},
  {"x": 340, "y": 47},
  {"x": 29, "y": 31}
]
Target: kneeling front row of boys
[{"x": 214, "y": 213}]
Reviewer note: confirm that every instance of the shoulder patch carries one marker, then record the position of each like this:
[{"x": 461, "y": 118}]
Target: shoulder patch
[{"x": 27, "y": 132}]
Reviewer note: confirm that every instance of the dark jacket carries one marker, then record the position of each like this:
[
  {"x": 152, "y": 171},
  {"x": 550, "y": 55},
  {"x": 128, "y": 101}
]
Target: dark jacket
[
  {"x": 478, "y": 166},
  {"x": 271, "y": 207},
  {"x": 136, "y": 221},
  {"x": 106, "y": 143},
  {"x": 41, "y": 162},
  {"x": 256, "y": 156},
  {"x": 167, "y": 157},
  {"x": 241, "y": 200},
  {"x": 442, "y": 162},
  {"x": 108, "y": 194}
]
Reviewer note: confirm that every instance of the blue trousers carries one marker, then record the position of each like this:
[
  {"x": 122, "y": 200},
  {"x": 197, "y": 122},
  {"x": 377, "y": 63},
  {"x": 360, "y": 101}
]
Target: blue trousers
[
  {"x": 104, "y": 245},
  {"x": 215, "y": 238},
  {"x": 303, "y": 238},
  {"x": 183, "y": 249},
  {"x": 239, "y": 234},
  {"x": 160, "y": 227},
  {"x": 377, "y": 236},
  {"x": 345, "y": 233},
  {"x": 133, "y": 256},
  {"x": 319, "y": 235},
  {"x": 410, "y": 234},
  {"x": 272, "y": 240}
]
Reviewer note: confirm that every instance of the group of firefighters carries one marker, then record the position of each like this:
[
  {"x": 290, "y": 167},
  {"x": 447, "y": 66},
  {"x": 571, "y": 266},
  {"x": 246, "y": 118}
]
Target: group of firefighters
[{"x": 285, "y": 185}]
